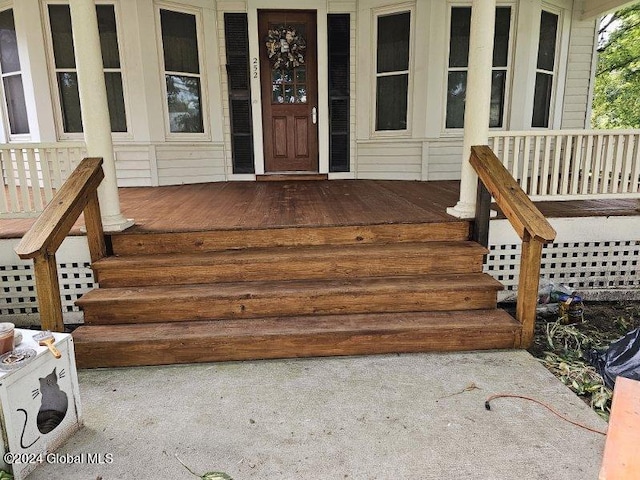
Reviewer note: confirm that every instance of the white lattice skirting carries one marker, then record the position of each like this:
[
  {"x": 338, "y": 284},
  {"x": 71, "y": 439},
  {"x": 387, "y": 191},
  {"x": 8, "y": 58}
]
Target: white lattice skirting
[
  {"x": 603, "y": 268},
  {"x": 18, "y": 302}
]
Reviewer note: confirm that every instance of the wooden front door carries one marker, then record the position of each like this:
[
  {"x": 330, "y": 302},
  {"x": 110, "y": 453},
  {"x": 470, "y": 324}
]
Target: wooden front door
[{"x": 289, "y": 80}]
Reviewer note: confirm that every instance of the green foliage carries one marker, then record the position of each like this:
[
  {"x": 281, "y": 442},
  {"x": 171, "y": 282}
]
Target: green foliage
[
  {"x": 205, "y": 476},
  {"x": 617, "y": 84}
]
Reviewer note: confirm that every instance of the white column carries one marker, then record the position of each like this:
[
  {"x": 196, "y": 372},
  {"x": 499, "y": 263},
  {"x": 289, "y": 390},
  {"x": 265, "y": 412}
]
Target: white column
[
  {"x": 95, "y": 109},
  {"x": 478, "y": 100}
]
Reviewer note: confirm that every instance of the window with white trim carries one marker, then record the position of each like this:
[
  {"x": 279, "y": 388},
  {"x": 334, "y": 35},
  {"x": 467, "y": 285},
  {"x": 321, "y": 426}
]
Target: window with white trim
[
  {"x": 392, "y": 70},
  {"x": 12, "y": 89},
  {"x": 179, "y": 34},
  {"x": 66, "y": 72},
  {"x": 460, "y": 28},
  {"x": 545, "y": 69}
]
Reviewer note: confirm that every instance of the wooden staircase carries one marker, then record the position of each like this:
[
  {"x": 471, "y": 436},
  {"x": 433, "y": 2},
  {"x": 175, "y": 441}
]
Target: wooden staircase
[{"x": 290, "y": 292}]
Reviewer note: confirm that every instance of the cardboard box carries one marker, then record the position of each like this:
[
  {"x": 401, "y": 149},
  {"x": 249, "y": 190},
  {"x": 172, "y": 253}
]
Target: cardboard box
[{"x": 39, "y": 405}]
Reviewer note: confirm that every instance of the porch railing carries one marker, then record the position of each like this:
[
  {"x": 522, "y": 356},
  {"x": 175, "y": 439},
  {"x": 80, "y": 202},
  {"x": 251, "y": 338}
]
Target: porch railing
[
  {"x": 79, "y": 194},
  {"x": 572, "y": 164},
  {"x": 533, "y": 229},
  {"x": 31, "y": 174}
]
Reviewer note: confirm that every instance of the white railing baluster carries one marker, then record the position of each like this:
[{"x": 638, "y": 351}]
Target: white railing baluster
[
  {"x": 616, "y": 171},
  {"x": 566, "y": 164},
  {"x": 526, "y": 164},
  {"x": 31, "y": 172},
  {"x": 572, "y": 164},
  {"x": 45, "y": 165},
  {"x": 11, "y": 181},
  {"x": 547, "y": 165},
  {"x": 515, "y": 165},
  {"x": 23, "y": 181},
  {"x": 34, "y": 178},
  {"x": 587, "y": 173},
  {"x": 4, "y": 201},
  {"x": 576, "y": 165},
  {"x": 535, "y": 171},
  {"x": 56, "y": 168},
  {"x": 635, "y": 161},
  {"x": 597, "y": 172},
  {"x": 555, "y": 176}
]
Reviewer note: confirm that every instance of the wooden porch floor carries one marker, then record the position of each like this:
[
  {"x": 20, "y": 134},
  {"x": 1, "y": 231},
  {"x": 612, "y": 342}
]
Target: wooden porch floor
[{"x": 254, "y": 205}]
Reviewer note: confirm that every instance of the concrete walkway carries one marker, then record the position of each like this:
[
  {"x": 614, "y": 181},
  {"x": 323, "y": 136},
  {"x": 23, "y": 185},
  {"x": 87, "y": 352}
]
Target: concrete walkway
[{"x": 378, "y": 417}]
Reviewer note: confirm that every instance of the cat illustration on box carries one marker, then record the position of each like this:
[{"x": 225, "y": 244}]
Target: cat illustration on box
[
  {"x": 54, "y": 403},
  {"x": 53, "y": 406}
]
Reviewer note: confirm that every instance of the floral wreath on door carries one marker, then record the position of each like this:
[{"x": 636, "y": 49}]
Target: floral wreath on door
[{"x": 285, "y": 47}]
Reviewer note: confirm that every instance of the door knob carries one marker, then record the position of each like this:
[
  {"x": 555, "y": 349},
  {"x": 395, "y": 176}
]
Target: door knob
[{"x": 314, "y": 115}]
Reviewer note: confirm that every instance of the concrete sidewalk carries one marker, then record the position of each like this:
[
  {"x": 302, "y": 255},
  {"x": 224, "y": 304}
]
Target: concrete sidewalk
[{"x": 377, "y": 417}]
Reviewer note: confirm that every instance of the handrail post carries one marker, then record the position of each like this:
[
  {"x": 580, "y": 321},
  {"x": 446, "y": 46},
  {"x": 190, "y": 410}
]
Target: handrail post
[
  {"x": 93, "y": 224},
  {"x": 530, "y": 225},
  {"x": 480, "y": 230},
  {"x": 48, "y": 291},
  {"x": 528, "y": 289},
  {"x": 78, "y": 194}
]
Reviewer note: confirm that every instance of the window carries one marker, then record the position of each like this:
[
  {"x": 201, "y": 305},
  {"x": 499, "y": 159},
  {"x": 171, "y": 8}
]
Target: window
[
  {"x": 182, "y": 71},
  {"x": 545, "y": 70},
  {"x": 11, "y": 76},
  {"x": 459, "y": 64},
  {"x": 66, "y": 73},
  {"x": 392, "y": 71}
]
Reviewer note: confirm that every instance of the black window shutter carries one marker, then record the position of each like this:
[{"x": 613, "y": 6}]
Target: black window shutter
[
  {"x": 339, "y": 27},
  {"x": 237, "y": 50}
]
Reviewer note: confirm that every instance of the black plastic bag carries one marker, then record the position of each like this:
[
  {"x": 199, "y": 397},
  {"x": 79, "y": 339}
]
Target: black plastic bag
[{"x": 622, "y": 358}]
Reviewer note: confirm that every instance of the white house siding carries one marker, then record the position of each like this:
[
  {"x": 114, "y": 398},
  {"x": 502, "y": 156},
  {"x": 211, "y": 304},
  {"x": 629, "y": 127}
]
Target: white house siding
[
  {"x": 444, "y": 159},
  {"x": 581, "y": 64},
  {"x": 392, "y": 160},
  {"x": 134, "y": 165},
  {"x": 190, "y": 163}
]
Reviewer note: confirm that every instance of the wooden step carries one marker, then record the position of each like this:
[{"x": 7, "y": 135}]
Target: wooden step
[
  {"x": 289, "y": 298},
  {"x": 290, "y": 263},
  {"x": 240, "y": 339},
  {"x": 217, "y": 240}
]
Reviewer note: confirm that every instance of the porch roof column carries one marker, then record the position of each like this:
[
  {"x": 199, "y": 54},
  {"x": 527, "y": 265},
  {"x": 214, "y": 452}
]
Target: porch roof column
[
  {"x": 95, "y": 109},
  {"x": 478, "y": 100}
]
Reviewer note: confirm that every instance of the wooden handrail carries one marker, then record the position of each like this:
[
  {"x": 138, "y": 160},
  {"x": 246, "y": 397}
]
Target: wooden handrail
[
  {"x": 79, "y": 193},
  {"x": 533, "y": 229}
]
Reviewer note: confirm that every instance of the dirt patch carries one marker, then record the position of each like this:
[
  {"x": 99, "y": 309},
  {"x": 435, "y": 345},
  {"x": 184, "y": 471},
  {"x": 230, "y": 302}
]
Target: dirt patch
[{"x": 563, "y": 348}]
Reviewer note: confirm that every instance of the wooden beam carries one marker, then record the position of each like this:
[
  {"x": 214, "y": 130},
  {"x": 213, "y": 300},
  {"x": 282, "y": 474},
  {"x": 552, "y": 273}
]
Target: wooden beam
[
  {"x": 95, "y": 233},
  {"x": 53, "y": 225},
  {"x": 48, "y": 292},
  {"x": 528, "y": 289},
  {"x": 524, "y": 216},
  {"x": 621, "y": 460}
]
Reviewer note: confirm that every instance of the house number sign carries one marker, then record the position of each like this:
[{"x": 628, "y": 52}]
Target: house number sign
[{"x": 255, "y": 67}]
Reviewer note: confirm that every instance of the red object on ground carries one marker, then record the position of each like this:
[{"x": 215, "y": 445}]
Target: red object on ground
[{"x": 621, "y": 460}]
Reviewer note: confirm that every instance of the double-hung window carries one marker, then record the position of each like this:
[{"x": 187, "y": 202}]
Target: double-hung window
[
  {"x": 458, "y": 67},
  {"x": 182, "y": 71},
  {"x": 16, "y": 108},
  {"x": 392, "y": 71},
  {"x": 545, "y": 69},
  {"x": 66, "y": 72}
]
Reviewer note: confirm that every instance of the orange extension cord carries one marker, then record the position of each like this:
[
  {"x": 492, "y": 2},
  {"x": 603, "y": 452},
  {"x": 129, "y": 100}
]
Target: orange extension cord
[{"x": 510, "y": 395}]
